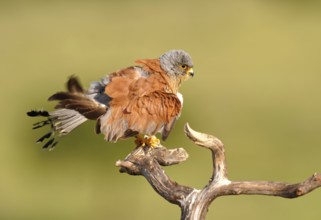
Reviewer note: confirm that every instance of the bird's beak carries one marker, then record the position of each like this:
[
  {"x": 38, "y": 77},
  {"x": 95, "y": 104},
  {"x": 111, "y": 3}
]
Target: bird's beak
[{"x": 190, "y": 72}]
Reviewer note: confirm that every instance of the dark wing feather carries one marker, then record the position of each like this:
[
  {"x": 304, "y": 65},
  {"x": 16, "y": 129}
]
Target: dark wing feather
[
  {"x": 73, "y": 85},
  {"x": 65, "y": 95},
  {"x": 97, "y": 91},
  {"x": 168, "y": 128},
  {"x": 80, "y": 103}
]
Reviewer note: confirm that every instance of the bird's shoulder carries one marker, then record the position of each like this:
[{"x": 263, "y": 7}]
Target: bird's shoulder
[
  {"x": 136, "y": 81},
  {"x": 129, "y": 84}
]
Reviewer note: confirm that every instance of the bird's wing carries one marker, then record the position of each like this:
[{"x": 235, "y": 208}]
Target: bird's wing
[
  {"x": 138, "y": 104},
  {"x": 75, "y": 99},
  {"x": 73, "y": 85},
  {"x": 73, "y": 109},
  {"x": 169, "y": 126},
  {"x": 153, "y": 112}
]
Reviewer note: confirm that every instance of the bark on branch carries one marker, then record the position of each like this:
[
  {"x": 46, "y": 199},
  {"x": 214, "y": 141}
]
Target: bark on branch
[{"x": 194, "y": 203}]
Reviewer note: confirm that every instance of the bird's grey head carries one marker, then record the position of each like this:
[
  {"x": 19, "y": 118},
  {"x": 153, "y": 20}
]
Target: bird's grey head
[{"x": 177, "y": 63}]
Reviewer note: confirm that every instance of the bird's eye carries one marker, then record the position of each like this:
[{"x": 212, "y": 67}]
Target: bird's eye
[{"x": 184, "y": 66}]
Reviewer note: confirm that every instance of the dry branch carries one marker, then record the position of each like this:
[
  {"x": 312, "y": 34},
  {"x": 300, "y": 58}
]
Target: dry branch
[{"x": 194, "y": 203}]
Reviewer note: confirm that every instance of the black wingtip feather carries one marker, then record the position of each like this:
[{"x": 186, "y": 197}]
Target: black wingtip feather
[
  {"x": 35, "y": 113},
  {"x": 48, "y": 135},
  {"x": 49, "y": 143},
  {"x": 40, "y": 124},
  {"x": 53, "y": 145}
]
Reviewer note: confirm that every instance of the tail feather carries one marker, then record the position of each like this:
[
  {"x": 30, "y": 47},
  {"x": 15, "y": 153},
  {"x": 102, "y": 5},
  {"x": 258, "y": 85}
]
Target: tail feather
[{"x": 61, "y": 121}]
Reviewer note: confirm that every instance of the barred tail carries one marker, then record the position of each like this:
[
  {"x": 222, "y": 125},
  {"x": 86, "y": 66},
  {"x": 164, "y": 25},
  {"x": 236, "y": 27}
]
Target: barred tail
[{"x": 61, "y": 121}]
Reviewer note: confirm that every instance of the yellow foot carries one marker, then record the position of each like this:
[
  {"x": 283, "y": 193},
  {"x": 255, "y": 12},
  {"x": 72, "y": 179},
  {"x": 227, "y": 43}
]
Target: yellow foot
[
  {"x": 145, "y": 140},
  {"x": 152, "y": 141}
]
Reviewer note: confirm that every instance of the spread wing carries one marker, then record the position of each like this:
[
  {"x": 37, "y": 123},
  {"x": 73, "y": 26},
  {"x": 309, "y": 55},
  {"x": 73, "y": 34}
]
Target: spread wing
[
  {"x": 80, "y": 103},
  {"x": 73, "y": 109},
  {"x": 139, "y": 104},
  {"x": 76, "y": 99},
  {"x": 154, "y": 112}
]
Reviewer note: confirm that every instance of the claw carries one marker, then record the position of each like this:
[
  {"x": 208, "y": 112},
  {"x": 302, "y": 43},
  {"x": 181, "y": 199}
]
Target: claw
[
  {"x": 152, "y": 141},
  {"x": 145, "y": 140}
]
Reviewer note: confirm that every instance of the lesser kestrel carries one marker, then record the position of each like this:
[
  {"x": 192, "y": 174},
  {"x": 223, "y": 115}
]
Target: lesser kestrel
[{"x": 141, "y": 100}]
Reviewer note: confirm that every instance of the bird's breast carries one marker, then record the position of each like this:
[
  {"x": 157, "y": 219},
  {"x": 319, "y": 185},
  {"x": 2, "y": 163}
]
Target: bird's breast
[{"x": 180, "y": 97}]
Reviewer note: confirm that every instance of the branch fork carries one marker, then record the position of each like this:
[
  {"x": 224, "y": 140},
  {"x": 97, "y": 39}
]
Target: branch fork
[{"x": 194, "y": 203}]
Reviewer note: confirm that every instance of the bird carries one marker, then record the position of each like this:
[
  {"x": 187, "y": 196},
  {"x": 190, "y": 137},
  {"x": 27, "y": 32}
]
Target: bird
[{"x": 139, "y": 101}]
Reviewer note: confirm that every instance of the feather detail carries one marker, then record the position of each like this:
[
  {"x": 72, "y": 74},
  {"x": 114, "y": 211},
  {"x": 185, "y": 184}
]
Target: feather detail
[
  {"x": 79, "y": 102},
  {"x": 148, "y": 114},
  {"x": 96, "y": 91},
  {"x": 73, "y": 85},
  {"x": 150, "y": 65},
  {"x": 65, "y": 120}
]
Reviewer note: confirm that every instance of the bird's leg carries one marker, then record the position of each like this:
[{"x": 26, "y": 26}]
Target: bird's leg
[
  {"x": 145, "y": 140},
  {"x": 140, "y": 140}
]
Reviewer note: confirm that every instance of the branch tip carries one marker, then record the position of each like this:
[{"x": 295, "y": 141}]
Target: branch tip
[{"x": 202, "y": 139}]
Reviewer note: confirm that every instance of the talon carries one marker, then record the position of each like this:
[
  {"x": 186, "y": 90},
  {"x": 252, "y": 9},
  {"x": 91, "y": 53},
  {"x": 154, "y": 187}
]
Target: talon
[
  {"x": 145, "y": 140},
  {"x": 152, "y": 141}
]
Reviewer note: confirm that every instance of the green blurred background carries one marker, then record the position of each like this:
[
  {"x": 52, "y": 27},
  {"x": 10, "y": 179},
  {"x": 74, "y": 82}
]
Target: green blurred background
[{"x": 257, "y": 87}]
